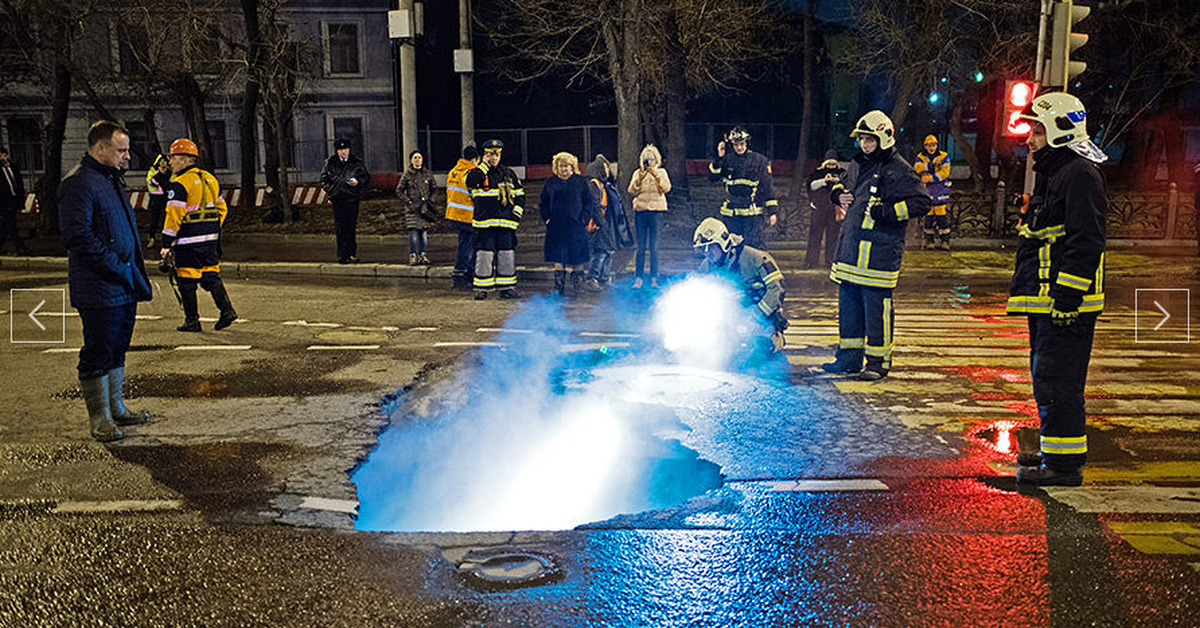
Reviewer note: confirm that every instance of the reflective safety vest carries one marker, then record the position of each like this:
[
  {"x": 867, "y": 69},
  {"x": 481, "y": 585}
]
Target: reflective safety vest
[
  {"x": 192, "y": 229},
  {"x": 460, "y": 207}
]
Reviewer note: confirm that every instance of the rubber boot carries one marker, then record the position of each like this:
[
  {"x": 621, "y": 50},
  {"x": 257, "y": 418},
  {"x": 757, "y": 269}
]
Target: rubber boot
[
  {"x": 95, "y": 396},
  {"x": 221, "y": 299},
  {"x": 191, "y": 311},
  {"x": 1049, "y": 476},
  {"x": 560, "y": 282},
  {"x": 121, "y": 414},
  {"x": 577, "y": 278}
]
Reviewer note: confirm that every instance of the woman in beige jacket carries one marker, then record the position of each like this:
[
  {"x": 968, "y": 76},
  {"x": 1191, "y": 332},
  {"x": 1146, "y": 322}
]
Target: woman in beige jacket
[{"x": 649, "y": 187}]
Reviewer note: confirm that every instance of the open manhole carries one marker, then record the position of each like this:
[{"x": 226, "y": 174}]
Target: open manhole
[{"x": 509, "y": 570}]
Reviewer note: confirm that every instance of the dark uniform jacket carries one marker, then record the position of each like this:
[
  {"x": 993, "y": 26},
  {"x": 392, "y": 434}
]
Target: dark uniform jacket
[
  {"x": 760, "y": 279},
  {"x": 887, "y": 192},
  {"x": 105, "y": 266},
  {"x": 1060, "y": 256},
  {"x": 12, "y": 196},
  {"x": 747, "y": 179},
  {"x": 192, "y": 229},
  {"x": 498, "y": 194},
  {"x": 336, "y": 172}
]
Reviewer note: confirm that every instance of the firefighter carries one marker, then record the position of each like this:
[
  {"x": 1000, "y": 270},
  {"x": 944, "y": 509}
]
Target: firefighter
[
  {"x": 755, "y": 270},
  {"x": 880, "y": 193},
  {"x": 192, "y": 235},
  {"x": 934, "y": 167},
  {"x": 1058, "y": 281},
  {"x": 497, "y": 193},
  {"x": 748, "y": 195}
]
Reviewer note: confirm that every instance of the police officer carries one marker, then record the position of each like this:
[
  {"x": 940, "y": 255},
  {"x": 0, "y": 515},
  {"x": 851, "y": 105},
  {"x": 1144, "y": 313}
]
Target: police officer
[
  {"x": 748, "y": 195},
  {"x": 934, "y": 167},
  {"x": 497, "y": 194},
  {"x": 192, "y": 235},
  {"x": 1058, "y": 281},
  {"x": 754, "y": 269},
  {"x": 880, "y": 193}
]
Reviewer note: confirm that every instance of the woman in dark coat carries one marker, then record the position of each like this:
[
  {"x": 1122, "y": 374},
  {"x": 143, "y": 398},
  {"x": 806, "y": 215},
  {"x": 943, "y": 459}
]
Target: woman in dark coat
[
  {"x": 566, "y": 206},
  {"x": 416, "y": 190}
]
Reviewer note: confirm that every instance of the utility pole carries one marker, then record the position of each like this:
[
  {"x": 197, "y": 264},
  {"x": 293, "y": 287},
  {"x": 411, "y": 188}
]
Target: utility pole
[
  {"x": 404, "y": 26},
  {"x": 464, "y": 65}
]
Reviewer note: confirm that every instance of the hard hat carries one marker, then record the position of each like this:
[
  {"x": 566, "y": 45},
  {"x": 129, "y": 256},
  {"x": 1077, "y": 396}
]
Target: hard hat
[
  {"x": 931, "y": 139},
  {"x": 877, "y": 125},
  {"x": 738, "y": 134},
  {"x": 713, "y": 231},
  {"x": 184, "y": 146},
  {"x": 493, "y": 145},
  {"x": 1065, "y": 120}
]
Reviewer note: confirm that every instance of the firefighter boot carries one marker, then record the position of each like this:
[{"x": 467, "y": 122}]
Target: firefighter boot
[
  {"x": 560, "y": 282},
  {"x": 95, "y": 396},
  {"x": 1049, "y": 476},
  {"x": 221, "y": 299},
  {"x": 191, "y": 311},
  {"x": 121, "y": 414},
  {"x": 1029, "y": 447},
  {"x": 843, "y": 364}
]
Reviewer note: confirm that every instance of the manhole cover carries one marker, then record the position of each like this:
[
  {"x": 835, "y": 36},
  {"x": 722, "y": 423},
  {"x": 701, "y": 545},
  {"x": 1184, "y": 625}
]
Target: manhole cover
[{"x": 508, "y": 571}]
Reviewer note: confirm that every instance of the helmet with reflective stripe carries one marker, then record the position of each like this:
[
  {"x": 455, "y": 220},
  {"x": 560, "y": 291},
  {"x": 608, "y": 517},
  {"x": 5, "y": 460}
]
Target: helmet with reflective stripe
[
  {"x": 738, "y": 134},
  {"x": 713, "y": 231},
  {"x": 1063, "y": 116},
  {"x": 184, "y": 146},
  {"x": 877, "y": 125}
]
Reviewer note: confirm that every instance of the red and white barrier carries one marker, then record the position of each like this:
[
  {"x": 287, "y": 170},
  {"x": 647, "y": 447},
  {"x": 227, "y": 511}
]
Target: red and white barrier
[
  {"x": 308, "y": 195},
  {"x": 140, "y": 199}
]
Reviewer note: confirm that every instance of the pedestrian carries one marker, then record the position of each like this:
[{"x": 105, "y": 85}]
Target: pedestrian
[
  {"x": 460, "y": 213},
  {"x": 345, "y": 179},
  {"x": 158, "y": 178},
  {"x": 748, "y": 194},
  {"x": 827, "y": 216},
  {"x": 192, "y": 235},
  {"x": 416, "y": 189},
  {"x": 12, "y": 200},
  {"x": 105, "y": 273},
  {"x": 1058, "y": 281},
  {"x": 649, "y": 186},
  {"x": 602, "y": 230},
  {"x": 567, "y": 207},
  {"x": 498, "y": 194},
  {"x": 755, "y": 271},
  {"x": 880, "y": 193},
  {"x": 933, "y": 166}
]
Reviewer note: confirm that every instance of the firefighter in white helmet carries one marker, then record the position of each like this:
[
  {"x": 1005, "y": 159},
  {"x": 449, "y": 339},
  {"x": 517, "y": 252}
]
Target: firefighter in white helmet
[
  {"x": 754, "y": 270},
  {"x": 1058, "y": 282}
]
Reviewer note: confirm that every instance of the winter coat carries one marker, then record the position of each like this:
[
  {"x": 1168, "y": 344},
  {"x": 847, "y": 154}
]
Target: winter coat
[
  {"x": 156, "y": 185},
  {"x": 416, "y": 190},
  {"x": 649, "y": 186},
  {"x": 1060, "y": 254},
  {"x": 747, "y": 179},
  {"x": 12, "y": 197},
  {"x": 460, "y": 207},
  {"x": 192, "y": 228},
  {"x": 934, "y": 171},
  {"x": 602, "y": 230},
  {"x": 566, "y": 206},
  {"x": 887, "y": 192},
  {"x": 336, "y": 172},
  {"x": 105, "y": 266}
]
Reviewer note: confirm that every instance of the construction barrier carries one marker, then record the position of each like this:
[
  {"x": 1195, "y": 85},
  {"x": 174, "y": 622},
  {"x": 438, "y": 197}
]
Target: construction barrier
[{"x": 140, "y": 199}]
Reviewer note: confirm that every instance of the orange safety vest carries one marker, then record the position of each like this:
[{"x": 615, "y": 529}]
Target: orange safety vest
[{"x": 592, "y": 226}]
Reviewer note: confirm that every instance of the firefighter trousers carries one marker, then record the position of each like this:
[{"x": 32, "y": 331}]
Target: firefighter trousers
[
  {"x": 1058, "y": 361},
  {"x": 865, "y": 323}
]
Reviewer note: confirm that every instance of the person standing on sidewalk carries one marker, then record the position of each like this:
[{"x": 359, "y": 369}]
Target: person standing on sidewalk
[
  {"x": 106, "y": 274},
  {"x": 567, "y": 207},
  {"x": 827, "y": 216},
  {"x": 345, "y": 178},
  {"x": 1058, "y": 281},
  {"x": 649, "y": 186},
  {"x": 460, "y": 212},
  {"x": 192, "y": 235},
  {"x": 498, "y": 194},
  {"x": 12, "y": 199},
  {"x": 748, "y": 194},
  {"x": 933, "y": 166},
  {"x": 158, "y": 178},
  {"x": 416, "y": 190},
  {"x": 602, "y": 230}
]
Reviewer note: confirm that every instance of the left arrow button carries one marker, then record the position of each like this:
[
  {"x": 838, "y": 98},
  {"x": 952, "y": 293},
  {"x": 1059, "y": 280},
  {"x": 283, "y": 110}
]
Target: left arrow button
[{"x": 34, "y": 318}]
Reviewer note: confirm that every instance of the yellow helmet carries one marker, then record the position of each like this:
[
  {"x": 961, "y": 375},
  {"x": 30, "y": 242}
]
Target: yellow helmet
[
  {"x": 713, "y": 231},
  {"x": 931, "y": 139},
  {"x": 877, "y": 125}
]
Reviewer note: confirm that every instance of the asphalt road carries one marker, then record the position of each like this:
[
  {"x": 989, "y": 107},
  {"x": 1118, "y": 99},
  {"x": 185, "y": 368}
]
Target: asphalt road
[{"x": 785, "y": 498}]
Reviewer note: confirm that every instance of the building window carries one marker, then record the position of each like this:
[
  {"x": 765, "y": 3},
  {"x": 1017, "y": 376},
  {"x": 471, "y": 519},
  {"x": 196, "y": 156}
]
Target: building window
[
  {"x": 139, "y": 140},
  {"x": 349, "y": 129},
  {"x": 25, "y": 143},
  {"x": 219, "y": 149},
  {"x": 342, "y": 46}
]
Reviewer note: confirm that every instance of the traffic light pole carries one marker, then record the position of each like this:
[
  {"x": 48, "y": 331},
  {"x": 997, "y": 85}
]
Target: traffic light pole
[{"x": 1038, "y": 74}]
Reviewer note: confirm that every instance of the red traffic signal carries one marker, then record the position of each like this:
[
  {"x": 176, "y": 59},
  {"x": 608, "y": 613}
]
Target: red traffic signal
[{"x": 1017, "y": 94}]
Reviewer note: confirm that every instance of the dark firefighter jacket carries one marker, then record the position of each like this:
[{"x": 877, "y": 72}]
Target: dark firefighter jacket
[
  {"x": 1060, "y": 256},
  {"x": 887, "y": 192},
  {"x": 497, "y": 194},
  {"x": 759, "y": 277},
  {"x": 747, "y": 179},
  {"x": 192, "y": 230}
]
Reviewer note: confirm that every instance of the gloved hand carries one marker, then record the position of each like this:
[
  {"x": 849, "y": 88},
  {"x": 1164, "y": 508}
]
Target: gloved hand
[{"x": 1063, "y": 318}]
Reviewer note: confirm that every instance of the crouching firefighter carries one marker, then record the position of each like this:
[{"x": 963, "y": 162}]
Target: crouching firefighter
[
  {"x": 192, "y": 235},
  {"x": 756, "y": 272},
  {"x": 1058, "y": 282},
  {"x": 881, "y": 192}
]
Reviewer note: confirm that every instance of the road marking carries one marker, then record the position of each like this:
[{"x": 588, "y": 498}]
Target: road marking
[
  {"x": 820, "y": 486},
  {"x": 503, "y": 330},
  {"x": 63, "y": 350},
  {"x": 347, "y": 506},
  {"x": 592, "y": 346},
  {"x": 598, "y": 334},
  {"x": 343, "y": 347},
  {"x": 304, "y": 323},
  {"x": 131, "y": 505},
  {"x": 468, "y": 344},
  {"x": 423, "y": 328},
  {"x": 148, "y": 317},
  {"x": 213, "y": 348},
  {"x": 1132, "y": 499}
]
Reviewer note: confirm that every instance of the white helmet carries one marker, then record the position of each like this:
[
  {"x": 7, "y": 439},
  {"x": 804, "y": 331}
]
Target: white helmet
[
  {"x": 877, "y": 125},
  {"x": 713, "y": 231},
  {"x": 1065, "y": 120}
]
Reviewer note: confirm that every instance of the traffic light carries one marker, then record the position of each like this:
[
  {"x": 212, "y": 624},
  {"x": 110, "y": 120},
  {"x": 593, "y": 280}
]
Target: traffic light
[
  {"x": 1064, "y": 42},
  {"x": 1017, "y": 94}
]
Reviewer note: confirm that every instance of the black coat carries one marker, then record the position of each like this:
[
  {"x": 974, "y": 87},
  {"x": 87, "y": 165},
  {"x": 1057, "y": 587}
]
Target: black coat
[
  {"x": 13, "y": 198},
  {"x": 336, "y": 172},
  {"x": 415, "y": 190},
  {"x": 105, "y": 266},
  {"x": 566, "y": 206}
]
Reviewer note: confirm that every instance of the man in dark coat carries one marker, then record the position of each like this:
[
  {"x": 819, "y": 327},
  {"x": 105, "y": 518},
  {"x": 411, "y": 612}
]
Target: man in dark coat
[
  {"x": 345, "y": 179},
  {"x": 106, "y": 274},
  {"x": 12, "y": 199}
]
